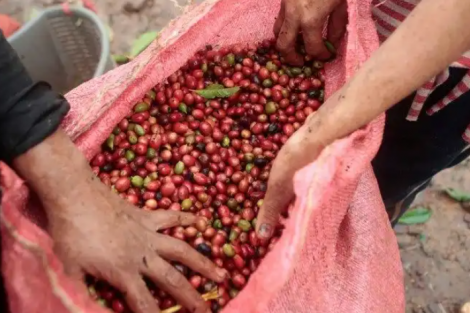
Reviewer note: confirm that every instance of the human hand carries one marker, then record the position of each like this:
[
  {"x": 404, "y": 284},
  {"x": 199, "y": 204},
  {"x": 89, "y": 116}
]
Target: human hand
[
  {"x": 98, "y": 233},
  {"x": 309, "y": 17},
  {"x": 101, "y": 235},
  {"x": 301, "y": 149}
]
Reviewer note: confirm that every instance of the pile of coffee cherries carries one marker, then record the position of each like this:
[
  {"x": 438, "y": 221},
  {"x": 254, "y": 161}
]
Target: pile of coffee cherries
[{"x": 204, "y": 142}]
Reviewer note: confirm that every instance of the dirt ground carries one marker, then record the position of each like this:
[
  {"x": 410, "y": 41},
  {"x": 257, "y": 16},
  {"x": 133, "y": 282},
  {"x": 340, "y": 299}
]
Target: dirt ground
[{"x": 436, "y": 255}]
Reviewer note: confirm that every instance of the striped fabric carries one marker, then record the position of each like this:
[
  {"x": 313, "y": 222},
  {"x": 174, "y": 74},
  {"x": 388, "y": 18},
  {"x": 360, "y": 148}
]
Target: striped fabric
[{"x": 388, "y": 15}]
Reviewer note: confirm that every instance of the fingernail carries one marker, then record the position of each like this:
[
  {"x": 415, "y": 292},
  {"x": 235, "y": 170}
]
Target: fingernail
[{"x": 265, "y": 230}]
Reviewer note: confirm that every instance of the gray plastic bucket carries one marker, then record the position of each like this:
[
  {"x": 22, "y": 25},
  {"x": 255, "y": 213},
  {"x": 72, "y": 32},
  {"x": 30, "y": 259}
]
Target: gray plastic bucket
[{"x": 62, "y": 49}]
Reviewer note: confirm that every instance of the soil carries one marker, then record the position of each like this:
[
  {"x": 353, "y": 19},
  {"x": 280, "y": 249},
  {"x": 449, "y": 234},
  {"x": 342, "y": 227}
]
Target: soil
[
  {"x": 436, "y": 255},
  {"x": 126, "y": 18}
]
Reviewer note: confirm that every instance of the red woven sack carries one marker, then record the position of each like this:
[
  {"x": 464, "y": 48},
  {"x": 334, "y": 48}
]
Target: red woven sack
[
  {"x": 8, "y": 25},
  {"x": 338, "y": 252}
]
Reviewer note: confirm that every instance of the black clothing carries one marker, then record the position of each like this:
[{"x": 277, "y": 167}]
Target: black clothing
[
  {"x": 29, "y": 113},
  {"x": 413, "y": 152}
]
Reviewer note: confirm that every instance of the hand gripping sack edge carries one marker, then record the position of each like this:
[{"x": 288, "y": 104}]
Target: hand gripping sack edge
[{"x": 338, "y": 252}]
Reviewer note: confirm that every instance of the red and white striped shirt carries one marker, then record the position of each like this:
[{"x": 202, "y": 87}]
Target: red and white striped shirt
[{"x": 388, "y": 15}]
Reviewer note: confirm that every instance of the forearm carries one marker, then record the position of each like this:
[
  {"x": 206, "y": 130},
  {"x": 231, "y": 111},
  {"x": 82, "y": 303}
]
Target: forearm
[
  {"x": 30, "y": 115},
  {"x": 55, "y": 169},
  {"x": 434, "y": 35}
]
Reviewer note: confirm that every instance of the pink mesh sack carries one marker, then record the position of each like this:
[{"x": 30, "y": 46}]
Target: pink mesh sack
[{"x": 338, "y": 252}]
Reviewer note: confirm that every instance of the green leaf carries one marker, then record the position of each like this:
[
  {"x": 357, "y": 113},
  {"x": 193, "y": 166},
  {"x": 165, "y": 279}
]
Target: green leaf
[
  {"x": 458, "y": 195},
  {"x": 215, "y": 86},
  {"x": 32, "y": 13},
  {"x": 217, "y": 93},
  {"x": 419, "y": 215},
  {"x": 183, "y": 108},
  {"x": 331, "y": 48},
  {"x": 143, "y": 42},
  {"x": 120, "y": 59}
]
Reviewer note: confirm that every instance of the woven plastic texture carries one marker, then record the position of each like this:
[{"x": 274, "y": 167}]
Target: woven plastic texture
[
  {"x": 81, "y": 45},
  {"x": 338, "y": 252},
  {"x": 8, "y": 25},
  {"x": 65, "y": 49}
]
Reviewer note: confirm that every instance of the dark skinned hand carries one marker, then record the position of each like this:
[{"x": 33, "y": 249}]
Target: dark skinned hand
[
  {"x": 309, "y": 17},
  {"x": 96, "y": 232}
]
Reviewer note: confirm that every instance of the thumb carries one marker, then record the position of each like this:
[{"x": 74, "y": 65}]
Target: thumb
[
  {"x": 70, "y": 264},
  {"x": 279, "y": 20},
  {"x": 298, "y": 151},
  {"x": 74, "y": 272},
  {"x": 337, "y": 23},
  {"x": 279, "y": 194}
]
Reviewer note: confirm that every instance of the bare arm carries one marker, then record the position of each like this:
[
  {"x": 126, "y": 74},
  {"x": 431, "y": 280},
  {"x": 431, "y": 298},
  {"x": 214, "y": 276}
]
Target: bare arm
[{"x": 432, "y": 37}]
